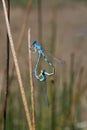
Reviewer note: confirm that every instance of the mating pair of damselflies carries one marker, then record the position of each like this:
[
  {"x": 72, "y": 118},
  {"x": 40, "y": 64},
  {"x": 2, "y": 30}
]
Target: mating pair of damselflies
[
  {"x": 43, "y": 73},
  {"x": 42, "y": 76}
]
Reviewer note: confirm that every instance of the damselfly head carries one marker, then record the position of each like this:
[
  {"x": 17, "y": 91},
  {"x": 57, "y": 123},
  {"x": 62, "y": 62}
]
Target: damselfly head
[{"x": 34, "y": 42}]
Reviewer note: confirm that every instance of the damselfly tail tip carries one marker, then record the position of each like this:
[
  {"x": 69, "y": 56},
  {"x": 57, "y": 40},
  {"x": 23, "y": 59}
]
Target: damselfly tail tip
[{"x": 52, "y": 79}]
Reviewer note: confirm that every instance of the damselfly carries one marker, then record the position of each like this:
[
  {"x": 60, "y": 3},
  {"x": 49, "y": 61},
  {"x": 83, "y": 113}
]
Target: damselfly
[{"x": 43, "y": 73}]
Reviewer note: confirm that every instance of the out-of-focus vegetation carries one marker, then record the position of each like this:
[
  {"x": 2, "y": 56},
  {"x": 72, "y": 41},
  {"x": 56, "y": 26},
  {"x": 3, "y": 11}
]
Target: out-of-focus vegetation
[
  {"x": 59, "y": 2},
  {"x": 19, "y": 2},
  {"x": 23, "y": 3}
]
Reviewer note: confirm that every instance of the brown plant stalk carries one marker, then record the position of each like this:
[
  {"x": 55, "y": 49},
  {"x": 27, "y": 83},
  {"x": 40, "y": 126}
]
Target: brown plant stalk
[
  {"x": 24, "y": 25},
  {"x": 31, "y": 82},
  {"x": 39, "y": 11},
  {"x": 21, "y": 36},
  {"x": 76, "y": 94},
  {"x": 7, "y": 72},
  {"x": 17, "y": 66}
]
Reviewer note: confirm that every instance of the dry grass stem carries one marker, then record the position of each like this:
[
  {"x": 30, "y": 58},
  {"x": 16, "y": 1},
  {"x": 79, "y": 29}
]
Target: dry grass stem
[
  {"x": 76, "y": 93},
  {"x": 21, "y": 36},
  {"x": 31, "y": 83},
  {"x": 16, "y": 66},
  {"x": 39, "y": 4},
  {"x": 7, "y": 73},
  {"x": 24, "y": 25}
]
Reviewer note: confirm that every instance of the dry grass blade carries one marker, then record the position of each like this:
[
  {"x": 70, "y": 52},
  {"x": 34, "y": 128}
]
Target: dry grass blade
[
  {"x": 7, "y": 72},
  {"x": 24, "y": 25},
  {"x": 21, "y": 36},
  {"x": 31, "y": 83},
  {"x": 78, "y": 87},
  {"x": 83, "y": 90},
  {"x": 76, "y": 94},
  {"x": 39, "y": 3},
  {"x": 17, "y": 67}
]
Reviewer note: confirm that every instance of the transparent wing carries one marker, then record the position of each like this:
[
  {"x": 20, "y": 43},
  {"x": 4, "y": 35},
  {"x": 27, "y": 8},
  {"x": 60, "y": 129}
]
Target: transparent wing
[{"x": 58, "y": 60}]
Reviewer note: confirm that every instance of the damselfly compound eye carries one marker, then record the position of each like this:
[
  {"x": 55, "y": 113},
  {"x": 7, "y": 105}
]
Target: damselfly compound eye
[{"x": 34, "y": 42}]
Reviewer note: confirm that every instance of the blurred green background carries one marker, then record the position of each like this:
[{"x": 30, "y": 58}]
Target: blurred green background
[{"x": 61, "y": 27}]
